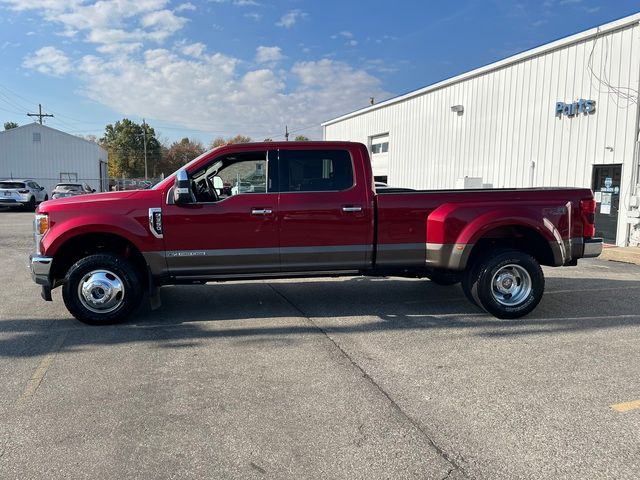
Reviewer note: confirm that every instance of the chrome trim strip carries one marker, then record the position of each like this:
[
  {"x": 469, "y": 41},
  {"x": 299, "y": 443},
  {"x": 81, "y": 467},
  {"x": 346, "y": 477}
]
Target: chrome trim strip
[{"x": 592, "y": 247}]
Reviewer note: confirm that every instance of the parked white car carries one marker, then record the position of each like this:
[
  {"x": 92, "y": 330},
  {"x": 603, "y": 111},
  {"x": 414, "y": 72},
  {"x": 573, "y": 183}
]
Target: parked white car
[
  {"x": 63, "y": 190},
  {"x": 21, "y": 193},
  {"x": 242, "y": 187}
]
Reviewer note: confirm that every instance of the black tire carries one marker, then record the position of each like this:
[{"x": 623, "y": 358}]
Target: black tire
[
  {"x": 30, "y": 206},
  {"x": 46, "y": 197},
  {"x": 444, "y": 278},
  {"x": 95, "y": 272},
  {"x": 523, "y": 278},
  {"x": 467, "y": 283}
]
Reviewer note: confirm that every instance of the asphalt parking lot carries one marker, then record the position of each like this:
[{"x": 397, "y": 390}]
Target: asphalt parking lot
[{"x": 332, "y": 378}]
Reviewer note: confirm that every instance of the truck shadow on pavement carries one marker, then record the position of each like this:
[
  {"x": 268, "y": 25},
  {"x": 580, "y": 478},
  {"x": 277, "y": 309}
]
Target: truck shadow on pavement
[{"x": 265, "y": 311}]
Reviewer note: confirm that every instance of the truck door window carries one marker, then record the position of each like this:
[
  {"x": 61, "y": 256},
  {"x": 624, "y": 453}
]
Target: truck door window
[
  {"x": 248, "y": 176},
  {"x": 315, "y": 170},
  {"x": 241, "y": 173}
]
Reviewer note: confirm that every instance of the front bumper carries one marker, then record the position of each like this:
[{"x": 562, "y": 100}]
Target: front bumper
[
  {"x": 592, "y": 247},
  {"x": 40, "y": 267}
]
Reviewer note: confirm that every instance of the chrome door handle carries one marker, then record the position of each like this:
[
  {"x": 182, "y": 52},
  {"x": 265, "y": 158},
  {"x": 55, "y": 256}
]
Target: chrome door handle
[
  {"x": 351, "y": 209},
  {"x": 261, "y": 211}
]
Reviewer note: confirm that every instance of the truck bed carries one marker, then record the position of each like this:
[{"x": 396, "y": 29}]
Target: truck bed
[{"x": 410, "y": 223}]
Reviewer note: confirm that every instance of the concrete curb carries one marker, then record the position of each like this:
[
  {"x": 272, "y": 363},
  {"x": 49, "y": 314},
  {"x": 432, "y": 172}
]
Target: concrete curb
[{"x": 620, "y": 254}]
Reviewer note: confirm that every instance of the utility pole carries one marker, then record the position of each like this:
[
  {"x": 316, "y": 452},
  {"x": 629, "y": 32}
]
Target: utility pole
[
  {"x": 286, "y": 133},
  {"x": 39, "y": 114},
  {"x": 144, "y": 136}
]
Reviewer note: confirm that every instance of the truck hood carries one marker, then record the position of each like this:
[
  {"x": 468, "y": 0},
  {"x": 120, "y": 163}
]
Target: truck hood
[{"x": 104, "y": 200}]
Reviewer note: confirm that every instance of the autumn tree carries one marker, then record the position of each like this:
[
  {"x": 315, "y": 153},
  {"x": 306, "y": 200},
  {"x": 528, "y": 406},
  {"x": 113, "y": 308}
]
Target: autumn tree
[
  {"x": 10, "y": 125},
  {"x": 219, "y": 141},
  {"x": 178, "y": 154},
  {"x": 125, "y": 142},
  {"x": 89, "y": 138}
]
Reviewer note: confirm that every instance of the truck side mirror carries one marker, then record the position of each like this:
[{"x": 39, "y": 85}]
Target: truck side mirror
[
  {"x": 218, "y": 184},
  {"x": 182, "y": 194}
]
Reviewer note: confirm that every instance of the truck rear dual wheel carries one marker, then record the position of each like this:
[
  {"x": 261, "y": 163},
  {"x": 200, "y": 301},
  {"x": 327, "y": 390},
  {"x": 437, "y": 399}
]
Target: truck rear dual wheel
[
  {"x": 507, "y": 284},
  {"x": 102, "y": 289}
]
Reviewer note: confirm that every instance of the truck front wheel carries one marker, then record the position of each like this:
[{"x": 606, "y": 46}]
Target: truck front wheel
[
  {"x": 101, "y": 289},
  {"x": 508, "y": 284}
]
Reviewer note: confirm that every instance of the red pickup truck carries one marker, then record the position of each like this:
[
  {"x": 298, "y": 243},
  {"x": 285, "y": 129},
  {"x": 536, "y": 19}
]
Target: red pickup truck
[{"x": 303, "y": 210}]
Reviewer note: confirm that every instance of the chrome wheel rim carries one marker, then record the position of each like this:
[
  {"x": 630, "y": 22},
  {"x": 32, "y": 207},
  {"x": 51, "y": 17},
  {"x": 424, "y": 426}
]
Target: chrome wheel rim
[
  {"x": 101, "y": 291},
  {"x": 511, "y": 285}
]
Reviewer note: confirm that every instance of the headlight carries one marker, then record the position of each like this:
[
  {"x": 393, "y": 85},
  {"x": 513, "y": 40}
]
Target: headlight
[{"x": 41, "y": 225}]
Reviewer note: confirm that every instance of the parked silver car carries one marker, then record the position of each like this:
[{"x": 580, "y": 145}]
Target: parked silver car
[
  {"x": 62, "y": 190},
  {"x": 21, "y": 193}
]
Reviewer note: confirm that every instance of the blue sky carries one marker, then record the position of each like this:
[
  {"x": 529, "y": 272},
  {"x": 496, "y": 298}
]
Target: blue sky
[{"x": 207, "y": 68}]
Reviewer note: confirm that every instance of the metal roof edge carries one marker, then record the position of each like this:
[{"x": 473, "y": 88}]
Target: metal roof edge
[
  {"x": 554, "y": 45},
  {"x": 38, "y": 125}
]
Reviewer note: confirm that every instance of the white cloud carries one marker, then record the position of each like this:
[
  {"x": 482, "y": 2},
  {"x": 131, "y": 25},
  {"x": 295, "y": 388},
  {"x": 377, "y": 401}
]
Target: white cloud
[
  {"x": 253, "y": 16},
  {"x": 289, "y": 19},
  {"x": 268, "y": 54},
  {"x": 211, "y": 93},
  {"x": 246, "y": 3},
  {"x": 134, "y": 70},
  {"x": 50, "y": 61},
  {"x": 193, "y": 49},
  {"x": 107, "y": 21},
  {"x": 346, "y": 34},
  {"x": 185, "y": 6}
]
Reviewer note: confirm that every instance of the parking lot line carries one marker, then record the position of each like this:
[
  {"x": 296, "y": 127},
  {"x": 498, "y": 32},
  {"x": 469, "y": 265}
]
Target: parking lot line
[
  {"x": 40, "y": 372},
  {"x": 626, "y": 406}
]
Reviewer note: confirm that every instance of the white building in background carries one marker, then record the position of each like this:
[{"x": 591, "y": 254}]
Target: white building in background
[
  {"x": 563, "y": 114},
  {"x": 50, "y": 156}
]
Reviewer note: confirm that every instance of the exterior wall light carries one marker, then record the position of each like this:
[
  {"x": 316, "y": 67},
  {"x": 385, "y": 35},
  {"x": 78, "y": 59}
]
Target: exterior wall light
[{"x": 459, "y": 109}]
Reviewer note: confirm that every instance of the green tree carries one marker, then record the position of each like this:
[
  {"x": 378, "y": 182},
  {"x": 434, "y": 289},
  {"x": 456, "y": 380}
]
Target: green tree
[
  {"x": 125, "y": 142},
  {"x": 301, "y": 138},
  {"x": 219, "y": 141},
  {"x": 178, "y": 154},
  {"x": 10, "y": 125}
]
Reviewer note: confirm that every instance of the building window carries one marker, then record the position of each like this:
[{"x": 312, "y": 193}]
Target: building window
[
  {"x": 380, "y": 147},
  {"x": 36, "y": 137}
]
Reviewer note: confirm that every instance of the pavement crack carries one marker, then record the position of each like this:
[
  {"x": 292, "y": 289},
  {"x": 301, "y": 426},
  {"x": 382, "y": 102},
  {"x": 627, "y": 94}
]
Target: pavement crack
[{"x": 439, "y": 450}]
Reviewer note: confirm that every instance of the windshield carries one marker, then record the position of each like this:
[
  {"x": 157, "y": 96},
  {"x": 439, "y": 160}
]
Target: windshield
[
  {"x": 11, "y": 185},
  {"x": 68, "y": 186}
]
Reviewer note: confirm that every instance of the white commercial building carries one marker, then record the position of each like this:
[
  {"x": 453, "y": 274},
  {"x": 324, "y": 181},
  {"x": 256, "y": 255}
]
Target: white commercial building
[
  {"x": 49, "y": 156},
  {"x": 563, "y": 114}
]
